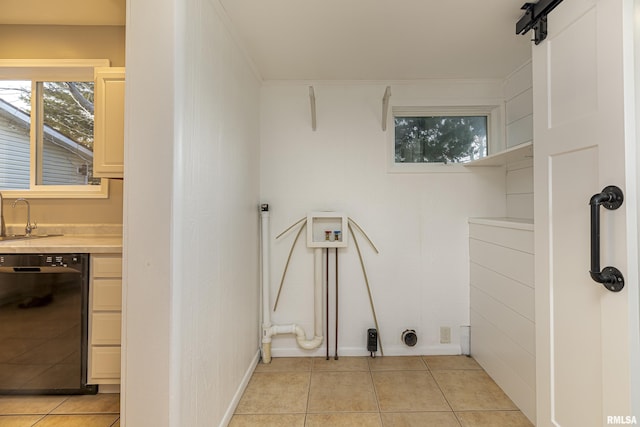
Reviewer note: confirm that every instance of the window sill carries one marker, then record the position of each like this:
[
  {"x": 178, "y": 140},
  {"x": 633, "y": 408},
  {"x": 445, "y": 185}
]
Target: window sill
[
  {"x": 427, "y": 168},
  {"x": 61, "y": 192}
]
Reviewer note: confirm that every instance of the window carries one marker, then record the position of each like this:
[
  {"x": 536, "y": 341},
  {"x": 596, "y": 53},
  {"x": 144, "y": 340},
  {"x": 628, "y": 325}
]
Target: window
[
  {"x": 437, "y": 139},
  {"x": 440, "y": 139},
  {"x": 46, "y": 129}
]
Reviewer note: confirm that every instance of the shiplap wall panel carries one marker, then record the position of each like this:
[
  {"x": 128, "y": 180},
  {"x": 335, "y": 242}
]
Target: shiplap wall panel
[
  {"x": 512, "y": 263},
  {"x": 502, "y": 308},
  {"x": 521, "y": 240},
  {"x": 492, "y": 351},
  {"x": 515, "y": 326},
  {"x": 520, "y": 205},
  {"x": 520, "y": 181},
  {"x": 520, "y": 105},
  {"x": 521, "y": 362},
  {"x": 519, "y": 129},
  {"x": 518, "y": 81},
  {"x": 515, "y": 295}
]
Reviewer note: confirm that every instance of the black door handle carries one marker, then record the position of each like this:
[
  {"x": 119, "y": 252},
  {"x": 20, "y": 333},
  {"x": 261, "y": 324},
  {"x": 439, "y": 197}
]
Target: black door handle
[{"x": 611, "y": 198}]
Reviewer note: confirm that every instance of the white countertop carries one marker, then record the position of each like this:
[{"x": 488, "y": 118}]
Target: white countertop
[{"x": 72, "y": 243}]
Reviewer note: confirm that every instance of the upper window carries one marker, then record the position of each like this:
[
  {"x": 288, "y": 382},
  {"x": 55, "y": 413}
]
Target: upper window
[
  {"x": 440, "y": 139},
  {"x": 46, "y": 131},
  {"x": 432, "y": 139}
]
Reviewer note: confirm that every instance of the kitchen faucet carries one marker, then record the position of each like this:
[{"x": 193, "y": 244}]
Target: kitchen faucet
[
  {"x": 29, "y": 227},
  {"x": 3, "y": 231}
]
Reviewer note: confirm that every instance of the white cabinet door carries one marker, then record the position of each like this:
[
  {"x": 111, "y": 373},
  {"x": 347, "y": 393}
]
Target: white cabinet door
[
  {"x": 108, "y": 146},
  {"x": 583, "y": 330}
]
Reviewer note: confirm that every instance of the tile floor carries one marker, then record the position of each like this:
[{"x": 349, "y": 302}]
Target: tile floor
[
  {"x": 101, "y": 410},
  {"x": 439, "y": 391},
  {"x": 442, "y": 391}
]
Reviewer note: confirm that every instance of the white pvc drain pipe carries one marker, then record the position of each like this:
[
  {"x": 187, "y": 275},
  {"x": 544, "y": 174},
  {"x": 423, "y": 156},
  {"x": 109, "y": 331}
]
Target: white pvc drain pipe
[{"x": 269, "y": 330}]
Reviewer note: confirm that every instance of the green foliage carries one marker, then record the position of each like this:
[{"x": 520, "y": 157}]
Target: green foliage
[
  {"x": 68, "y": 111},
  {"x": 441, "y": 139}
]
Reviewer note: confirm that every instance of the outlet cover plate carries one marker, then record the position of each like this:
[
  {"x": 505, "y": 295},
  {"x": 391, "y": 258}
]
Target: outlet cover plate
[{"x": 445, "y": 335}]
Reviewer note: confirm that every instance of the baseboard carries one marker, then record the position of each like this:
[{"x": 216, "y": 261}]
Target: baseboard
[
  {"x": 241, "y": 388},
  {"x": 394, "y": 350},
  {"x": 109, "y": 388}
]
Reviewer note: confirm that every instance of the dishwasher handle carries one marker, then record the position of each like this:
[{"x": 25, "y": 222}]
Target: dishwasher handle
[{"x": 26, "y": 269}]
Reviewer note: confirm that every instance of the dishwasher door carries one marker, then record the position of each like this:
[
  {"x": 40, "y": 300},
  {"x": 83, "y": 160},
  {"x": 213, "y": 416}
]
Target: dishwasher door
[{"x": 43, "y": 324}]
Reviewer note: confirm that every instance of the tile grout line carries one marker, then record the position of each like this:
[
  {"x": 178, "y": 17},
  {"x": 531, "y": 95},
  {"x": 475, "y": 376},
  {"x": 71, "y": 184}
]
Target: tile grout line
[
  {"x": 438, "y": 385},
  {"x": 306, "y": 409},
  {"x": 57, "y": 406},
  {"x": 375, "y": 393},
  {"x": 42, "y": 417},
  {"x": 443, "y": 395}
]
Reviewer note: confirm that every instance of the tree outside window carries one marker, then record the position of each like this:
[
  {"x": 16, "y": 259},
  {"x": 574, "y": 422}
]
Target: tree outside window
[
  {"x": 62, "y": 119},
  {"x": 440, "y": 139}
]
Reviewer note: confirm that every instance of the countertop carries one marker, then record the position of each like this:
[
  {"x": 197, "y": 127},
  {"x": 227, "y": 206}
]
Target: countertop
[{"x": 72, "y": 243}]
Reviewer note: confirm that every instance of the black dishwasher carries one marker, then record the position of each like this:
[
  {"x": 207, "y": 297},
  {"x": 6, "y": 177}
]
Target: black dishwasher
[{"x": 43, "y": 324}]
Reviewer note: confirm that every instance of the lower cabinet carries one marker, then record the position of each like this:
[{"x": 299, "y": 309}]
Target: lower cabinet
[{"x": 105, "y": 318}]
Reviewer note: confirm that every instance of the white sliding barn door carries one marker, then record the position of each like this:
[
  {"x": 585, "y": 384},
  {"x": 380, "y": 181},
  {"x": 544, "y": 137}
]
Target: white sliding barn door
[{"x": 582, "y": 329}]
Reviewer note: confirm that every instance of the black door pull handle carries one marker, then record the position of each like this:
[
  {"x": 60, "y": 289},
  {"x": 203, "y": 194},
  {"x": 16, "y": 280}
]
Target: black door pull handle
[{"x": 611, "y": 198}]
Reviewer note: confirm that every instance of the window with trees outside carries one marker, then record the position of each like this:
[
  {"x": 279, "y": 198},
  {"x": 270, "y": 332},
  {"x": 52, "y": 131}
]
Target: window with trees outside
[
  {"x": 46, "y": 131},
  {"x": 445, "y": 136}
]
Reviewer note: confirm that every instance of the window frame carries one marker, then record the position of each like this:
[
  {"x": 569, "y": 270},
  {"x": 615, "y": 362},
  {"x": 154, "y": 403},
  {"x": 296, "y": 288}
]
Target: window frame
[
  {"x": 492, "y": 109},
  {"x": 51, "y": 70}
]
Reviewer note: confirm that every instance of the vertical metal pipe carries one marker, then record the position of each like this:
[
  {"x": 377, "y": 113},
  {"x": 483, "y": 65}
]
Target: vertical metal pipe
[
  {"x": 336, "y": 353},
  {"x": 327, "y": 294}
]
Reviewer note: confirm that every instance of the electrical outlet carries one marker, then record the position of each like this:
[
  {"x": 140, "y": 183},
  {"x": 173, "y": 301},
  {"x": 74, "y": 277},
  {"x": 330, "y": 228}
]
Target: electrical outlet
[{"x": 445, "y": 335}]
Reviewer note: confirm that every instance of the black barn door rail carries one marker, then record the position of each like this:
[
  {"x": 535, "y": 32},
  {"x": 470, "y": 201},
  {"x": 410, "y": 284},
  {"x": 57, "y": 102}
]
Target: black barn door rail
[{"x": 535, "y": 17}]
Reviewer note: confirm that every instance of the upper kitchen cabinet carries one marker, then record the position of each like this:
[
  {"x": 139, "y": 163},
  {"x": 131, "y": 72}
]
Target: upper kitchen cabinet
[{"x": 108, "y": 148}]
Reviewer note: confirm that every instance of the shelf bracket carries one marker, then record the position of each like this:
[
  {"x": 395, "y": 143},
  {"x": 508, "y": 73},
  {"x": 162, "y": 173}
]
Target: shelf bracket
[
  {"x": 385, "y": 107},
  {"x": 312, "y": 99},
  {"x": 535, "y": 17}
]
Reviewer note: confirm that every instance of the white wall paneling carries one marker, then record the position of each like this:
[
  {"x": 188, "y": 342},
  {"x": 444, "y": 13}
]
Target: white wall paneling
[
  {"x": 503, "y": 305},
  {"x": 518, "y": 94},
  {"x": 191, "y": 231},
  {"x": 419, "y": 279}
]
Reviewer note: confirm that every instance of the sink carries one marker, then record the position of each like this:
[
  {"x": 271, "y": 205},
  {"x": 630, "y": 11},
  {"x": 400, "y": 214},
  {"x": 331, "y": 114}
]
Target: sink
[{"x": 25, "y": 237}]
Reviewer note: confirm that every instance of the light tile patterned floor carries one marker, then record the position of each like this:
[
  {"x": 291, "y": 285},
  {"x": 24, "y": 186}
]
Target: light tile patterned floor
[
  {"x": 439, "y": 391},
  {"x": 101, "y": 410}
]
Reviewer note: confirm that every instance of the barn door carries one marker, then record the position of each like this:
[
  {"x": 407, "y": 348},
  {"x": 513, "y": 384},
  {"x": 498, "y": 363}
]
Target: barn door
[{"x": 582, "y": 327}]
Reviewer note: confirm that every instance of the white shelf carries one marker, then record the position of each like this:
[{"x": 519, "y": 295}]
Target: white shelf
[{"x": 513, "y": 154}]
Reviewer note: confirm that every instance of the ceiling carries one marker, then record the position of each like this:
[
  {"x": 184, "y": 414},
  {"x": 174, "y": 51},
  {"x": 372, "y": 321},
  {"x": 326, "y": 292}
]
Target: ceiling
[
  {"x": 380, "y": 39},
  {"x": 341, "y": 39}
]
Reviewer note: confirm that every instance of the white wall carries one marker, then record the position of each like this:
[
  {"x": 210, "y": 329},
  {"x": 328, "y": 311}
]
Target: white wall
[
  {"x": 191, "y": 217},
  {"x": 519, "y": 129},
  {"x": 420, "y": 279},
  {"x": 216, "y": 219}
]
